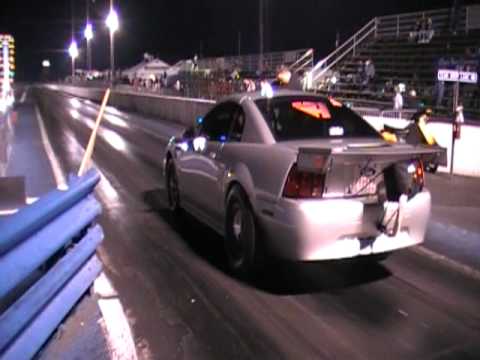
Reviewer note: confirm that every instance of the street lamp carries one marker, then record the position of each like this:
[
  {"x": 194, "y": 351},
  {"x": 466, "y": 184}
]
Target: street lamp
[
  {"x": 113, "y": 25},
  {"x": 73, "y": 52},
  {"x": 88, "y": 33}
]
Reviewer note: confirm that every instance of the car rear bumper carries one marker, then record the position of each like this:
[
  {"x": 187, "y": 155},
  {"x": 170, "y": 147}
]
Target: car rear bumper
[{"x": 311, "y": 230}]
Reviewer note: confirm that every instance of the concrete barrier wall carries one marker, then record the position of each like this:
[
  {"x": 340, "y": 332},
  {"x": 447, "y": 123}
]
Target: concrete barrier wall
[
  {"x": 167, "y": 108},
  {"x": 184, "y": 111},
  {"x": 466, "y": 160}
]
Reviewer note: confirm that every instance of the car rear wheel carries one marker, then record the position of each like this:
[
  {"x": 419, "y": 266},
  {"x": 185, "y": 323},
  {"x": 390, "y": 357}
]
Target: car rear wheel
[
  {"x": 173, "y": 193},
  {"x": 241, "y": 235}
]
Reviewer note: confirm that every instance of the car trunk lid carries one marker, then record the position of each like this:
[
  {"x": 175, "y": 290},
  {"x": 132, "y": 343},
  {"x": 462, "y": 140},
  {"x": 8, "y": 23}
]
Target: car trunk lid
[{"x": 358, "y": 168}]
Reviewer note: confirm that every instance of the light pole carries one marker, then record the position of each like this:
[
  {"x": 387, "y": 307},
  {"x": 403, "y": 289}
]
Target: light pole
[
  {"x": 260, "y": 34},
  {"x": 45, "y": 70},
  {"x": 73, "y": 52},
  {"x": 88, "y": 33},
  {"x": 113, "y": 25}
]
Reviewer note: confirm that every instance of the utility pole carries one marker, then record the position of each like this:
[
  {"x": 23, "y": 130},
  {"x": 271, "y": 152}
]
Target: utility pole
[
  {"x": 73, "y": 38},
  {"x": 89, "y": 47},
  {"x": 73, "y": 19},
  {"x": 112, "y": 51},
  {"x": 260, "y": 33},
  {"x": 239, "y": 43}
]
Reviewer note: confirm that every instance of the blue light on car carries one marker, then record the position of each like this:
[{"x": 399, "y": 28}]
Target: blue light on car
[
  {"x": 223, "y": 138},
  {"x": 199, "y": 120}
]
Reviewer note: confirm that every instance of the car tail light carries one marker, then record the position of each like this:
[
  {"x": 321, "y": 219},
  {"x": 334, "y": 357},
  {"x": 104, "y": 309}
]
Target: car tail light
[
  {"x": 418, "y": 176},
  {"x": 303, "y": 184}
]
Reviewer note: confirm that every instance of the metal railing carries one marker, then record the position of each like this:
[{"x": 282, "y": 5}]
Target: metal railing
[
  {"x": 304, "y": 63},
  {"x": 400, "y": 25},
  {"x": 252, "y": 63},
  {"x": 366, "y": 111},
  {"x": 398, "y": 114},
  {"x": 405, "y": 114},
  {"x": 348, "y": 47},
  {"x": 47, "y": 263}
]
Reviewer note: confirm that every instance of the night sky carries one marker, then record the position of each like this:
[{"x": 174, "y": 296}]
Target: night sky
[{"x": 177, "y": 29}]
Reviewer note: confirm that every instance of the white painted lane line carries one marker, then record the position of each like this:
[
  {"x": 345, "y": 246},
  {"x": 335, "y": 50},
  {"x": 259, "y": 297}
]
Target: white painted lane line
[
  {"x": 31, "y": 200},
  {"x": 117, "y": 329},
  {"x": 8, "y": 212},
  {"x": 5, "y": 212},
  {"x": 54, "y": 163},
  {"x": 24, "y": 96}
]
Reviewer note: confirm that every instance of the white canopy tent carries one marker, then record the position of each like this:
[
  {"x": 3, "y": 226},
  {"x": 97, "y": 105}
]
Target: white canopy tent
[{"x": 147, "y": 70}]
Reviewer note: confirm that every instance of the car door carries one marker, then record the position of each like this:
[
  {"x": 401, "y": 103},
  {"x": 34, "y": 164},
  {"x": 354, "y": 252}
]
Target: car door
[
  {"x": 207, "y": 168},
  {"x": 217, "y": 156},
  {"x": 198, "y": 167}
]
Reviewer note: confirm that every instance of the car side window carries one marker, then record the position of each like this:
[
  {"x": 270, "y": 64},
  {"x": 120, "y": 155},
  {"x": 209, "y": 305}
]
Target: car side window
[
  {"x": 224, "y": 123},
  {"x": 238, "y": 124}
]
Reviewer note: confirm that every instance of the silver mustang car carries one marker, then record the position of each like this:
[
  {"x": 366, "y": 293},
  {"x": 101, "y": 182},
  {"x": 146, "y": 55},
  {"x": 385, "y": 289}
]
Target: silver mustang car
[{"x": 299, "y": 176}]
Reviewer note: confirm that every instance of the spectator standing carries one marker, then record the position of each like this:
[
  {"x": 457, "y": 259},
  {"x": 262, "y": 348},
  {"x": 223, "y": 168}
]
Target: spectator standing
[
  {"x": 177, "y": 85},
  {"x": 455, "y": 15},
  {"x": 388, "y": 88},
  {"x": 459, "y": 118},
  {"x": 440, "y": 92},
  {"x": 369, "y": 71},
  {"x": 360, "y": 72},
  {"x": 414, "y": 35},
  {"x": 440, "y": 85},
  {"x": 164, "y": 79},
  {"x": 195, "y": 63},
  {"x": 475, "y": 99},
  {"x": 398, "y": 99}
]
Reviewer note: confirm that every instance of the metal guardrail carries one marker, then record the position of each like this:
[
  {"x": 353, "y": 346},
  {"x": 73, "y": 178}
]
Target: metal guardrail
[{"x": 47, "y": 262}]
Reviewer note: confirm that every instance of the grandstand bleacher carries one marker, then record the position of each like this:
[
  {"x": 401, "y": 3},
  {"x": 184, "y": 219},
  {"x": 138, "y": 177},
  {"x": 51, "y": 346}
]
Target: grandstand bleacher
[{"x": 400, "y": 59}]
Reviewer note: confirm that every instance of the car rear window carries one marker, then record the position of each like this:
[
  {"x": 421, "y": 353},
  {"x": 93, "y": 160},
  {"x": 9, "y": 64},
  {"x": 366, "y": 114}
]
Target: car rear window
[{"x": 295, "y": 118}]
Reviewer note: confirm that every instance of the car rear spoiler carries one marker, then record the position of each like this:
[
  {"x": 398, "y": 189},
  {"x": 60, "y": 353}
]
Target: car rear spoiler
[{"x": 319, "y": 159}]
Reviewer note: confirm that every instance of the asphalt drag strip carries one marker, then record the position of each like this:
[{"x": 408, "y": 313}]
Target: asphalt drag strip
[{"x": 181, "y": 302}]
